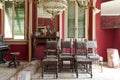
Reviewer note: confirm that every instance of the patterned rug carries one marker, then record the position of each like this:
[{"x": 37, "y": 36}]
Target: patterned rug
[
  {"x": 107, "y": 74},
  {"x": 7, "y": 72}
]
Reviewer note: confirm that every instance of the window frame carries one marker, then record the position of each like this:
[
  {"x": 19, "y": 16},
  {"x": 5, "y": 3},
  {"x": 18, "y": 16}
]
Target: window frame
[
  {"x": 12, "y": 40},
  {"x": 76, "y": 23}
]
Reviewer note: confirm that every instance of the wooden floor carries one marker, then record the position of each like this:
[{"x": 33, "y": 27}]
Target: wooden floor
[{"x": 107, "y": 74}]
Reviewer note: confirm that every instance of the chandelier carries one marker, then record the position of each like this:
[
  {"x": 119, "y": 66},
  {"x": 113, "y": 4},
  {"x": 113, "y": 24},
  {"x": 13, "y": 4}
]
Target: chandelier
[
  {"x": 84, "y": 4},
  {"x": 54, "y": 7}
]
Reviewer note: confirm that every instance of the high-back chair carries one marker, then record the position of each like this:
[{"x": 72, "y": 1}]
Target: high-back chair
[
  {"x": 50, "y": 62},
  {"x": 66, "y": 54},
  {"x": 81, "y": 58},
  {"x": 92, "y": 53}
]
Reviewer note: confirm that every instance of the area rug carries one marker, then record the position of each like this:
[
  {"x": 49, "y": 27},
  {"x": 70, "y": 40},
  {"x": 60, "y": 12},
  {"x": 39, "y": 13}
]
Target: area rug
[
  {"x": 107, "y": 74},
  {"x": 7, "y": 72}
]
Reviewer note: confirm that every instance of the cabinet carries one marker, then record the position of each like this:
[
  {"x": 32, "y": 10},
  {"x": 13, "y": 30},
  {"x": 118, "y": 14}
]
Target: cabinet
[{"x": 38, "y": 40}]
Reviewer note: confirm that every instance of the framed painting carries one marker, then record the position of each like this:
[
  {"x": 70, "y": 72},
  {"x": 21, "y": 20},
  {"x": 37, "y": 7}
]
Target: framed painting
[
  {"x": 41, "y": 13},
  {"x": 41, "y": 30}
]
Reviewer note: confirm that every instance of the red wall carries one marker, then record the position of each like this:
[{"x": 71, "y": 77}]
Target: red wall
[
  {"x": 23, "y": 49},
  {"x": 106, "y": 38},
  {"x": 117, "y": 39}
]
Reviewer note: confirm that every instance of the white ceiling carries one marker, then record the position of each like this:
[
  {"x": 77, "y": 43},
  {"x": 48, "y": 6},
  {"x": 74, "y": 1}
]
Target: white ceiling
[{"x": 110, "y": 8}]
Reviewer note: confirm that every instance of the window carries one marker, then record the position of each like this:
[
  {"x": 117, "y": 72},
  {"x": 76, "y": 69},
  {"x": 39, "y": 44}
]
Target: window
[
  {"x": 14, "y": 20},
  {"x": 71, "y": 20},
  {"x": 75, "y": 21}
]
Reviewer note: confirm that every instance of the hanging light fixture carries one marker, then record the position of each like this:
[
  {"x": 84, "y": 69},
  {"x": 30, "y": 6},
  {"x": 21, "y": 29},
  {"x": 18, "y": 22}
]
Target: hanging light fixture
[
  {"x": 84, "y": 4},
  {"x": 53, "y": 7}
]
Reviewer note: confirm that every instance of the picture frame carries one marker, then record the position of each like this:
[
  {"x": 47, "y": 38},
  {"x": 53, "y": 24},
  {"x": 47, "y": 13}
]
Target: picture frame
[
  {"x": 42, "y": 30},
  {"x": 41, "y": 13}
]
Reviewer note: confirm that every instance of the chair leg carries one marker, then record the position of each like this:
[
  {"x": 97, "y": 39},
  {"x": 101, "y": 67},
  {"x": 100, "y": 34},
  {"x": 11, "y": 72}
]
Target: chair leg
[
  {"x": 71, "y": 65},
  {"x": 9, "y": 63},
  {"x": 101, "y": 64},
  {"x": 56, "y": 74},
  {"x": 42, "y": 71},
  {"x": 18, "y": 62},
  {"x": 76, "y": 69},
  {"x": 14, "y": 63},
  {"x": 90, "y": 67}
]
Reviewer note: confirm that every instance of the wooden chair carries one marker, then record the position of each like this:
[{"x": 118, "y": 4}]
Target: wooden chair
[
  {"x": 92, "y": 53},
  {"x": 50, "y": 62},
  {"x": 81, "y": 59},
  {"x": 66, "y": 54}
]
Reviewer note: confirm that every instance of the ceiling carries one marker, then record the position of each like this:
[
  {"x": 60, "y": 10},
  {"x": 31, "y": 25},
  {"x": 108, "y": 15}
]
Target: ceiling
[{"x": 110, "y": 8}]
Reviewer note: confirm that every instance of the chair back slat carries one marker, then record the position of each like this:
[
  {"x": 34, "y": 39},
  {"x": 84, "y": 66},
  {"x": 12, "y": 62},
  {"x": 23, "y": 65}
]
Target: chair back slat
[
  {"x": 66, "y": 46},
  {"x": 51, "y": 48},
  {"x": 80, "y": 48}
]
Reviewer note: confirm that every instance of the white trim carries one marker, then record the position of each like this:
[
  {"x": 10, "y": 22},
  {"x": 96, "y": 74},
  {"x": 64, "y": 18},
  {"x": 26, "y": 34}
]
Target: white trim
[
  {"x": 3, "y": 24},
  {"x": 30, "y": 32},
  {"x": 65, "y": 24},
  {"x": 94, "y": 23},
  {"x": 60, "y": 26}
]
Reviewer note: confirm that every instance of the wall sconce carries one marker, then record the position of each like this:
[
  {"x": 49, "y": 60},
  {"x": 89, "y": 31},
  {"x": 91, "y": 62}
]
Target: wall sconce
[{"x": 84, "y": 4}]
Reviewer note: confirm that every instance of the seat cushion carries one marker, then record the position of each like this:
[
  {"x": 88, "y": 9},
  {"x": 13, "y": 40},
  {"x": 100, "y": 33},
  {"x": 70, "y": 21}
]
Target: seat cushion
[
  {"x": 50, "y": 59},
  {"x": 94, "y": 57},
  {"x": 83, "y": 60}
]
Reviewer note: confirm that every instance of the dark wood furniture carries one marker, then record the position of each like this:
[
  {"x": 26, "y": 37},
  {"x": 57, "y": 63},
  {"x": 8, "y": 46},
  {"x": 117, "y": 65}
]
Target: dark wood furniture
[
  {"x": 38, "y": 40},
  {"x": 3, "y": 50},
  {"x": 81, "y": 59},
  {"x": 14, "y": 61},
  {"x": 66, "y": 54},
  {"x": 50, "y": 61}
]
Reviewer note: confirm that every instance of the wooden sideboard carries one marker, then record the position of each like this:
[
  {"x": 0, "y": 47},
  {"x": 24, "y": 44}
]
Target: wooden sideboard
[{"x": 38, "y": 40}]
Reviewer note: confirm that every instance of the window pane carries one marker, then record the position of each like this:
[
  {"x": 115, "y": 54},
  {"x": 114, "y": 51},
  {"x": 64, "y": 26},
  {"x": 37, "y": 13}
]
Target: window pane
[
  {"x": 71, "y": 19},
  {"x": 81, "y": 23},
  {"x": 14, "y": 20},
  {"x": 8, "y": 20},
  {"x": 19, "y": 22}
]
